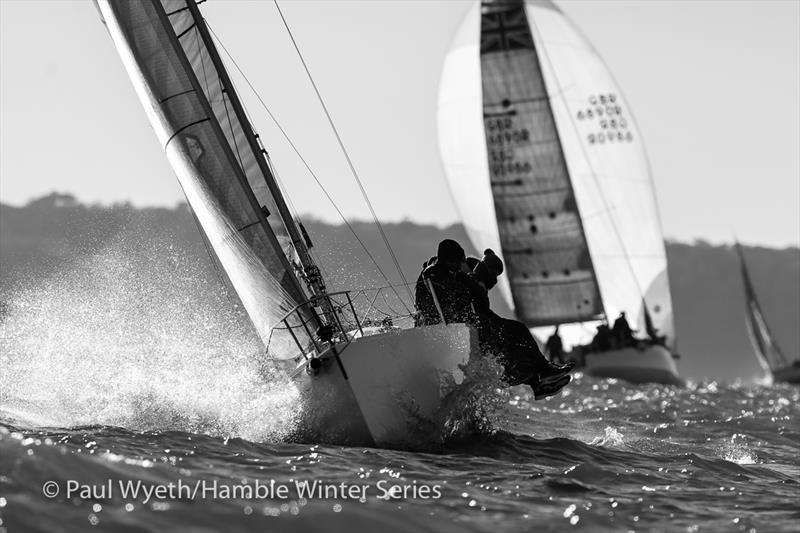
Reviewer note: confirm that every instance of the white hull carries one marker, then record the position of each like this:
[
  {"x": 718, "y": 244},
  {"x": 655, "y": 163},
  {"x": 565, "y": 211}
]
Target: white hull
[
  {"x": 652, "y": 364},
  {"x": 392, "y": 386}
]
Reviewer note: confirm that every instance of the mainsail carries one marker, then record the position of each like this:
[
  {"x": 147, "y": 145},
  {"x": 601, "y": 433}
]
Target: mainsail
[
  {"x": 769, "y": 354},
  {"x": 546, "y": 163},
  {"x": 541, "y": 234},
  {"x": 191, "y": 104}
]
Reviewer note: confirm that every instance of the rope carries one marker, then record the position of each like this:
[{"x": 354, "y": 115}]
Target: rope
[
  {"x": 344, "y": 151},
  {"x": 305, "y": 164}
]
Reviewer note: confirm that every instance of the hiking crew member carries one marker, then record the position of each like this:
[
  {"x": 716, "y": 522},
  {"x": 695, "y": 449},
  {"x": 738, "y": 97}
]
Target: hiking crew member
[
  {"x": 511, "y": 340},
  {"x": 462, "y": 296},
  {"x": 453, "y": 287}
]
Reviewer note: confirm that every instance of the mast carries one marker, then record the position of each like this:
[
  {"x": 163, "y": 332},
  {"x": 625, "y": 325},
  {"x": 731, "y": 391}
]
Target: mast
[
  {"x": 257, "y": 210},
  {"x": 309, "y": 269}
]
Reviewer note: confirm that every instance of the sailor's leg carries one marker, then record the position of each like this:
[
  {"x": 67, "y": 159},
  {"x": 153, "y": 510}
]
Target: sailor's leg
[{"x": 518, "y": 337}]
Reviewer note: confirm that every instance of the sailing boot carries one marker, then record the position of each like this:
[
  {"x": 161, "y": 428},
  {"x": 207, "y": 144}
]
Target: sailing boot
[
  {"x": 551, "y": 388},
  {"x": 554, "y": 373}
]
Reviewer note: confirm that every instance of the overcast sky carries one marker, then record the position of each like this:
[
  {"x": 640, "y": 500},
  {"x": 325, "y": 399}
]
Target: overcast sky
[{"x": 714, "y": 85}]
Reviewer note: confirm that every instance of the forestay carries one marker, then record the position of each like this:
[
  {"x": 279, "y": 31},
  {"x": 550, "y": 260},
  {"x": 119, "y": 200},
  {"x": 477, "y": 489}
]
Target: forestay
[{"x": 213, "y": 153}]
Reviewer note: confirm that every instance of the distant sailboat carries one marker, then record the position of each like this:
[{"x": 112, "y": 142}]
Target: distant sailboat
[
  {"x": 367, "y": 385},
  {"x": 768, "y": 353},
  {"x": 546, "y": 164}
]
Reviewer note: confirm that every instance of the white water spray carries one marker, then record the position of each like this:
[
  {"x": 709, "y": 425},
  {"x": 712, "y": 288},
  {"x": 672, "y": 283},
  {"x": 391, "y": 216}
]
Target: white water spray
[{"x": 140, "y": 336}]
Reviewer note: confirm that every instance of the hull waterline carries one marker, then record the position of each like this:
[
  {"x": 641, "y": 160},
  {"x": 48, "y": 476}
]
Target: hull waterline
[{"x": 652, "y": 364}]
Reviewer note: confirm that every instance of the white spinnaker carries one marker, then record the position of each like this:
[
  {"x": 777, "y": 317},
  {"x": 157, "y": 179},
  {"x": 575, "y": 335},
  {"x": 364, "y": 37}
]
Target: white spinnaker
[
  {"x": 200, "y": 156},
  {"x": 611, "y": 179},
  {"x": 609, "y": 171}
]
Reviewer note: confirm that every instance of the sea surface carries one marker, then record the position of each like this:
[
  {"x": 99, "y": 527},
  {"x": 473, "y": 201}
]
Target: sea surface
[
  {"x": 133, "y": 397},
  {"x": 603, "y": 456}
]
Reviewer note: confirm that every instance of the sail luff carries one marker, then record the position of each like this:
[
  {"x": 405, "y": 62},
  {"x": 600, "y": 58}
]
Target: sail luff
[
  {"x": 238, "y": 172},
  {"x": 316, "y": 283}
]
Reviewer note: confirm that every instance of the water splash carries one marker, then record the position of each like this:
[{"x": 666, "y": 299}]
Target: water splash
[
  {"x": 737, "y": 451},
  {"x": 139, "y": 336},
  {"x": 475, "y": 405},
  {"x": 611, "y": 439}
]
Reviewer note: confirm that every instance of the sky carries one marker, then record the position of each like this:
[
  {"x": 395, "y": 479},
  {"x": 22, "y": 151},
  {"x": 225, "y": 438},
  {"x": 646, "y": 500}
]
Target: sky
[{"x": 714, "y": 86}]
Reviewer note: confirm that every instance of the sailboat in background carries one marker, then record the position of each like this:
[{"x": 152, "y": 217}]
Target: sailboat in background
[
  {"x": 362, "y": 384},
  {"x": 546, "y": 164},
  {"x": 768, "y": 353}
]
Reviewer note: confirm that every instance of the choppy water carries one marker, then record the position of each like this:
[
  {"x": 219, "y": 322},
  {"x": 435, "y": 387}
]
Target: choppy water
[
  {"x": 130, "y": 370},
  {"x": 604, "y": 457}
]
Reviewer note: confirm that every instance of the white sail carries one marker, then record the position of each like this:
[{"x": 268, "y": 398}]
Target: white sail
[
  {"x": 169, "y": 63},
  {"x": 768, "y": 352},
  {"x": 603, "y": 149}
]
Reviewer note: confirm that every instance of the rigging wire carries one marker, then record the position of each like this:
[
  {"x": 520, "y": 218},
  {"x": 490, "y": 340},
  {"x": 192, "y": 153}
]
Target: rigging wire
[
  {"x": 309, "y": 169},
  {"x": 344, "y": 151},
  {"x": 225, "y": 102},
  {"x": 269, "y": 162},
  {"x": 294, "y": 212}
]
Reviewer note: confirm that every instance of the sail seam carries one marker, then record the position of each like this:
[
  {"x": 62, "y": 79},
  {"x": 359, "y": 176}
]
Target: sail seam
[
  {"x": 538, "y": 282},
  {"x": 529, "y": 193}
]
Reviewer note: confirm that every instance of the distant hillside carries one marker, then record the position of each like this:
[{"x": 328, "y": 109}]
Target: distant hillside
[{"x": 49, "y": 233}]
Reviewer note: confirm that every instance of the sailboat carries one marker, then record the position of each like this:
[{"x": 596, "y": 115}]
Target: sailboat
[
  {"x": 768, "y": 353},
  {"x": 365, "y": 384},
  {"x": 546, "y": 165}
]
